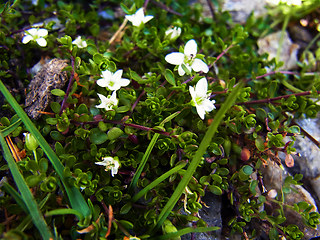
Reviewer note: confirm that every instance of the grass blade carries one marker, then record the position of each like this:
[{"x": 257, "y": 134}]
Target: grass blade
[
  {"x": 198, "y": 155},
  {"x": 75, "y": 197},
  {"x": 184, "y": 231},
  {"x": 143, "y": 161},
  {"x": 5, "y": 132},
  {"x": 16, "y": 196},
  {"x": 26, "y": 194},
  {"x": 148, "y": 151},
  {"x": 157, "y": 181}
]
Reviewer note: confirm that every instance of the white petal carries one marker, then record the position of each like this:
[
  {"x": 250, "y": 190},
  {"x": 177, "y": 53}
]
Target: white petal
[
  {"x": 191, "y": 48},
  {"x": 103, "y": 101},
  {"x": 117, "y": 75},
  {"x": 181, "y": 72},
  {"x": 124, "y": 82},
  {"x": 207, "y": 105},
  {"x": 192, "y": 93},
  {"x": 42, "y": 32},
  {"x": 201, "y": 112},
  {"x": 27, "y": 39},
  {"x": 130, "y": 17},
  {"x": 102, "y": 82},
  {"x": 199, "y": 65},
  {"x": 32, "y": 31},
  {"x": 175, "y": 58},
  {"x": 107, "y": 74},
  {"x": 202, "y": 87},
  {"x": 101, "y": 163},
  {"x": 42, "y": 42},
  {"x": 147, "y": 18},
  {"x": 139, "y": 14}
]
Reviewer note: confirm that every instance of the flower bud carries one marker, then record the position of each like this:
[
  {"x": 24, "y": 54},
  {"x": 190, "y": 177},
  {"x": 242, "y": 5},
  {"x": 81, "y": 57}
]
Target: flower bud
[
  {"x": 245, "y": 154},
  {"x": 173, "y": 33},
  {"x": 31, "y": 141}
]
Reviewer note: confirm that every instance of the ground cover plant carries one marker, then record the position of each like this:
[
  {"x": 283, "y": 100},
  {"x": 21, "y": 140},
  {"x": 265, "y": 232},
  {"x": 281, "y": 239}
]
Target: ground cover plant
[{"x": 145, "y": 108}]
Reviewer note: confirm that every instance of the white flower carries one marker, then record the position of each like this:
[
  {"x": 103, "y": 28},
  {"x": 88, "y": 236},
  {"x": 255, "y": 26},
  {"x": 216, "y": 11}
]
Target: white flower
[
  {"x": 111, "y": 164},
  {"x": 188, "y": 59},
  {"x": 113, "y": 81},
  {"x": 80, "y": 43},
  {"x": 200, "y": 98},
  {"x": 108, "y": 102},
  {"x": 173, "y": 33},
  {"x": 138, "y": 18},
  {"x": 34, "y": 34}
]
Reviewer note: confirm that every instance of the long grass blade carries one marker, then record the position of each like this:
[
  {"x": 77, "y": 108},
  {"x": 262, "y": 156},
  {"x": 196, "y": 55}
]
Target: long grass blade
[
  {"x": 157, "y": 181},
  {"x": 27, "y": 220},
  {"x": 16, "y": 196},
  {"x": 143, "y": 161},
  {"x": 184, "y": 231},
  {"x": 148, "y": 151},
  {"x": 198, "y": 155},
  {"x": 75, "y": 197},
  {"x": 6, "y": 131},
  {"x": 26, "y": 194}
]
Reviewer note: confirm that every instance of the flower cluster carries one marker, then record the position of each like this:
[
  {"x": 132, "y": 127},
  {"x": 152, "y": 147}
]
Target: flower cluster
[
  {"x": 112, "y": 81},
  {"x": 199, "y": 94}
]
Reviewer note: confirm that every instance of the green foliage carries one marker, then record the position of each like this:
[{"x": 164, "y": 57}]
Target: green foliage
[{"x": 144, "y": 154}]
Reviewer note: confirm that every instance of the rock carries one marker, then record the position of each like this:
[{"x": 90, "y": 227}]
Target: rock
[
  {"x": 273, "y": 178},
  {"x": 288, "y": 54},
  {"x": 51, "y": 76},
  {"x": 241, "y": 9},
  {"x": 307, "y": 161},
  {"x": 211, "y": 214}
]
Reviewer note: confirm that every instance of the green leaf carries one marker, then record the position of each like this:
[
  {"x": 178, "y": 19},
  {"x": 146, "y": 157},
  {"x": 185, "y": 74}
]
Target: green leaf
[
  {"x": 92, "y": 49},
  {"x": 170, "y": 77},
  {"x": 215, "y": 190},
  {"x": 126, "y": 208},
  {"x": 259, "y": 142},
  {"x": 58, "y": 92},
  {"x": 97, "y": 137},
  {"x": 247, "y": 170},
  {"x": 55, "y": 108},
  {"x": 114, "y": 133}
]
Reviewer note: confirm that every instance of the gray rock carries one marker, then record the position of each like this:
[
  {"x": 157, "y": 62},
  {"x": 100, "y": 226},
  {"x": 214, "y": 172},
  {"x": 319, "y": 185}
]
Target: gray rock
[{"x": 211, "y": 214}]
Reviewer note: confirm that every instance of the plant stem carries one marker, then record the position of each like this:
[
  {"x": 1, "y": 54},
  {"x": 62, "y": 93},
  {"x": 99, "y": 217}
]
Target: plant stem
[
  {"x": 63, "y": 104},
  {"x": 270, "y": 100}
]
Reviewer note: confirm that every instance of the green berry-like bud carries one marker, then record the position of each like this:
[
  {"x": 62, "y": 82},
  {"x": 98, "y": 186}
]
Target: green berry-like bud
[{"x": 31, "y": 141}]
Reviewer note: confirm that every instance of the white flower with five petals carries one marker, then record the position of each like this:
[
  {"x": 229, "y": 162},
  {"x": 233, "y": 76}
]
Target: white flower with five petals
[
  {"x": 113, "y": 81},
  {"x": 200, "y": 98},
  {"x": 110, "y": 164},
  {"x": 79, "y": 42},
  {"x": 34, "y": 34},
  {"x": 138, "y": 18},
  {"x": 188, "y": 58},
  {"x": 108, "y": 102}
]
